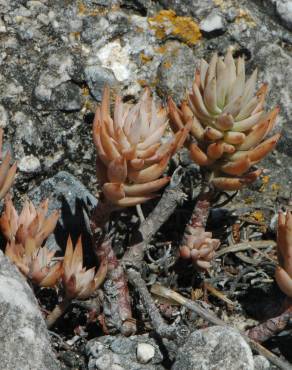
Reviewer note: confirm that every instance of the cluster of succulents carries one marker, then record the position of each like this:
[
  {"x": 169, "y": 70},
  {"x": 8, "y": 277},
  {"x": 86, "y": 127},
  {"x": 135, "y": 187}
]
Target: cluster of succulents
[
  {"x": 226, "y": 130},
  {"x": 26, "y": 234},
  {"x": 229, "y": 125},
  {"x": 131, "y": 154},
  {"x": 283, "y": 274}
]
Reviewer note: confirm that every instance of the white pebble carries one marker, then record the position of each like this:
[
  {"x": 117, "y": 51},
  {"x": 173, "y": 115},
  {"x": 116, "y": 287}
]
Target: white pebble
[
  {"x": 29, "y": 164},
  {"x": 145, "y": 352}
]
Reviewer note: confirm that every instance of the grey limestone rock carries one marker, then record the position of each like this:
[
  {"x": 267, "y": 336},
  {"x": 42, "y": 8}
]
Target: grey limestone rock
[
  {"x": 73, "y": 199},
  {"x": 175, "y": 72},
  {"x": 214, "y": 348},
  {"x": 24, "y": 340}
]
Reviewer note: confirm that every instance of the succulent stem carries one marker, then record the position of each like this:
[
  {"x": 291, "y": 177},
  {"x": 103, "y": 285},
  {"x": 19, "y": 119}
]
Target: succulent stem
[{"x": 57, "y": 312}]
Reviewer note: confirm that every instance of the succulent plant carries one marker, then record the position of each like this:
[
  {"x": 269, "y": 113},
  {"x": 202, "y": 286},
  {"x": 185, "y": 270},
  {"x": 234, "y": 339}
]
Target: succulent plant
[
  {"x": 35, "y": 262},
  {"x": 199, "y": 246},
  {"x": 228, "y": 123},
  {"x": 283, "y": 273},
  {"x": 7, "y": 172},
  {"x": 30, "y": 223},
  {"x": 131, "y": 154},
  {"x": 78, "y": 282}
]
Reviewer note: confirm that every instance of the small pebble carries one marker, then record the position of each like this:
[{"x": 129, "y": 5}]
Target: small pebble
[
  {"x": 29, "y": 164},
  {"x": 213, "y": 23},
  {"x": 145, "y": 352}
]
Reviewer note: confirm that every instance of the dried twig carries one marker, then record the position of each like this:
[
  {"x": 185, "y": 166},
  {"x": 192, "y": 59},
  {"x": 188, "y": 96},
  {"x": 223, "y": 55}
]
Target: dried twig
[
  {"x": 245, "y": 246},
  {"x": 210, "y": 317},
  {"x": 271, "y": 327},
  {"x": 170, "y": 199},
  {"x": 161, "y": 328}
]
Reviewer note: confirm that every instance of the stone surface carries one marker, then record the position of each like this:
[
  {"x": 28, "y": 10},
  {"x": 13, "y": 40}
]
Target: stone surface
[
  {"x": 145, "y": 352},
  {"x": 214, "y": 348},
  {"x": 214, "y": 23},
  {"x": 24, "y": 337},
  {"x": 73, "y": 199},
  {"x": 284, "y": 11},
  {"x": 261, "y": 363},
  {"x": 114, "y": 352},
  {"x": 175, "y": 72}
]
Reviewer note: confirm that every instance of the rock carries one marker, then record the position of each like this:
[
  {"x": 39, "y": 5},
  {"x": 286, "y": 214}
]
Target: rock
[
  {"x": 94, "y": 28},
  {"x": 73, "y": 199},
  {"x": 284, "y": 11},
  {"x": 145, "y": 352},
  {"x": 97, "y": 77},
  {"x": 214, "y": 348},
  {"x": 29, "y": 164},
  {"x": 4, "y": 119},
  {"x": 214, "y": 24},
  {"x": 175, "y": 72},
  {"x": 197, "y": 9},
  {"x": 26, "y": 344},
  {"x": 261, "y": 363},
  {"x": 115, "y": 57},
  {"x": 280, "y": 88},
  {"x": 117, "y": 352},
  {"x": 67, "y": 97}
]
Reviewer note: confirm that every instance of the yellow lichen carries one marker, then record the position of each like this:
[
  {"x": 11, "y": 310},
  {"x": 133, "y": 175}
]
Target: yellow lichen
[
  {"x": 248, "y": 200},
  {"x": 98, "y": 10},
  {"x": 85, "y": 90},
  {"x": 166, "y": 23},
  {"x": 167, "y": 64},
  {"x": 161, "y": 49},
  {"x": 141, "y": 82},
  {"x": 258, "y": 216},
  {"x": 246, "y": 16},
  {"x": 275, "y": 187},
  {"x": 145, "y": 58},
  {"x": 266, "y": 179}
]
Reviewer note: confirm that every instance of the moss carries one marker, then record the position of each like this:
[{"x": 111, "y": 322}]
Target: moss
[{"x": 166, "y": 22}]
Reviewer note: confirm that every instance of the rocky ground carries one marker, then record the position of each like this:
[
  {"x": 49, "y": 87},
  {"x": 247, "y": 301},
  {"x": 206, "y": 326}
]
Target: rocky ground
[{"x": 55, "y": 58}]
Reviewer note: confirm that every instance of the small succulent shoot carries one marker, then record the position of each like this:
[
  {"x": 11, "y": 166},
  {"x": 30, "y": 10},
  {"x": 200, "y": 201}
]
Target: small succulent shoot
[
  {"x": 229, "y": 126},
  {"x": 131, "y": 154},
  {"x": 78, "y": 282},
  {"x": 31, "y": 223},
  {"x": 35, "y": 263},
  {"x": 283, "y": 273},
  {"x": 7, "y": 172},
  {"x": 199, "y": 246}
]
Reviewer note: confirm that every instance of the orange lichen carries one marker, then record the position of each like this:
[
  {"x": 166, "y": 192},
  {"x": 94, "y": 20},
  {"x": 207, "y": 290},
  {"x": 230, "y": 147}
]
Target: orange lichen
[{"x": 166, "y": 22}]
